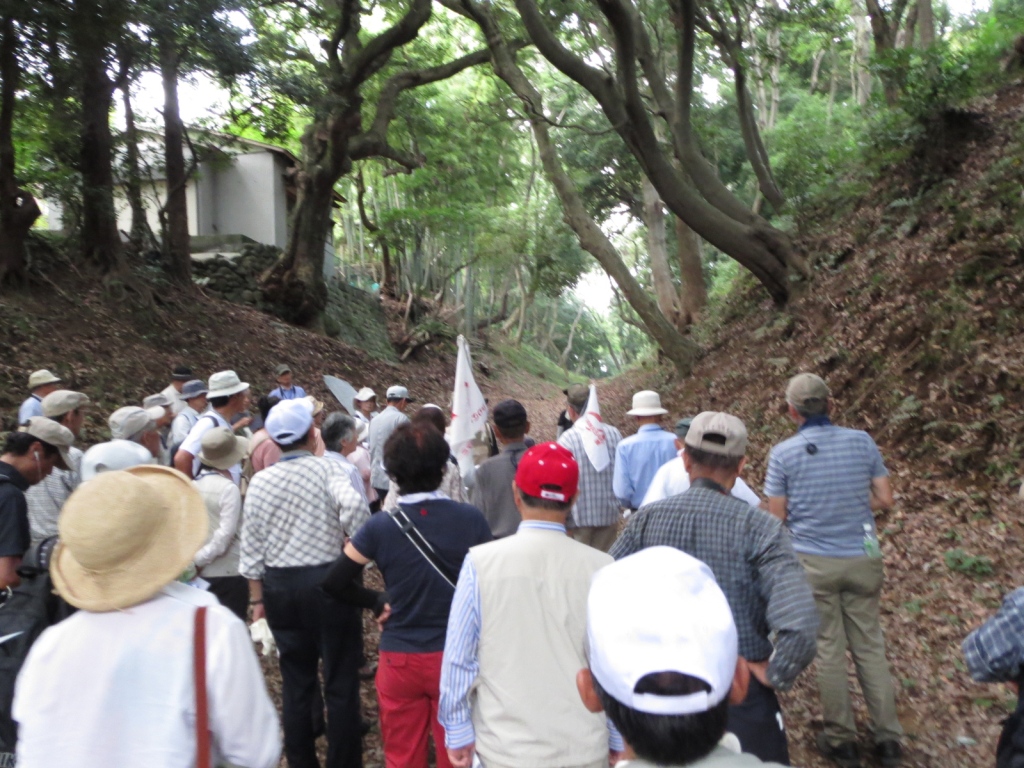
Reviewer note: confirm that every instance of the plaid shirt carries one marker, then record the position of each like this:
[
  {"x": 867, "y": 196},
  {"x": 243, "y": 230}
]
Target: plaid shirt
[
  {"x": 597, "y": 505},
  {"x": 297, "y": 512},
  {"x": 995, "y": 651},
  {"x": 753, "y": 561}
]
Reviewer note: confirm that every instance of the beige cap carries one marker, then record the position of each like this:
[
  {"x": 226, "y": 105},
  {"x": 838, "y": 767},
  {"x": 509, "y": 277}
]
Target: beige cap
[
  {"x": 221, "y": 449},
  {"x": 126, "y": 534},
  {"x": 125, "y": 423},
  {"x": 49, "y": 431},
  {"x": 62, "y": 401},
  {"x": 804, "y": 388},
  {"x": 718, "y": 433},
  {"x": 42, "y": 378},
  {"x": 577, "y": 394}
]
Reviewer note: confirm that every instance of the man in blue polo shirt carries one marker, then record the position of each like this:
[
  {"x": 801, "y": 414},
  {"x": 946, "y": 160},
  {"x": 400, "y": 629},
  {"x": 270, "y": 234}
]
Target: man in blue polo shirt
[
  {"x": 824, "y": 484},
  {"x": 286, "y": 390},
  {"x": 638, "y": 457}
]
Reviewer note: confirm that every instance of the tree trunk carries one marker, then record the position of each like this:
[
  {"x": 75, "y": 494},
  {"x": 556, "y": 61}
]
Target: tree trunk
[
  {"x": 18, "y": 208},
  {"x": 141, "y": 234},
  {"x": 861, "y": 53},
  {"x": 693, "y": 294},
  {"x": 564, "y": 360},
  {"x": 756, "y": 152},
  {"x": 926, "y": 23},
  {"x": 177, "y": 253},
  {"x": 101, "y": 242},
  {"x": 680, "y": 350},
  {"x": 657, "y": 250},
  {"x": 819, "y": 56}
]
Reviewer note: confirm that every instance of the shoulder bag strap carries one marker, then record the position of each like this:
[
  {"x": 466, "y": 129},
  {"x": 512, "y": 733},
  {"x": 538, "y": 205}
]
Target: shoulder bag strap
[
  {"x": 422, "y": 545},
  {"x": 202, "y": 709}
]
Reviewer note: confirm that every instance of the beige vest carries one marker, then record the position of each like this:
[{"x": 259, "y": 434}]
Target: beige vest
[
  {"x": 211, "y": 487},
  {"x": 533, "y": 607}
]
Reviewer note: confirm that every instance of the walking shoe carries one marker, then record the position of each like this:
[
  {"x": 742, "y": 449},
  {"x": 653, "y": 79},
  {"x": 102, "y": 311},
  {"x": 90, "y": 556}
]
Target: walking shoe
[
  {"x": 889, "y": 753},
  {"x": 844, "y": 755}
]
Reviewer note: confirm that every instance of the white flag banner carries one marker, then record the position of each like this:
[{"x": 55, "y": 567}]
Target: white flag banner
[
  {"x": 469, "y": 410},
  {"x": 595, "y": 442}
]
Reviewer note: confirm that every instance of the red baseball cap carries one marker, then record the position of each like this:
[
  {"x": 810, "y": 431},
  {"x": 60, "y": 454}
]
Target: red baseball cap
[{"x": 548, "y": 471}]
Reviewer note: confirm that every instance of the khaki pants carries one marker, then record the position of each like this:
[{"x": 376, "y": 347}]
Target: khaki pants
[
  {"x": 846, "y": 592},
  {"x": 597, "y": 536}
]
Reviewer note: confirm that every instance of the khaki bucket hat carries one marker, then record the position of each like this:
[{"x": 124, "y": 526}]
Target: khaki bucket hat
[
  {"x": 124, "y": 535},
  {"x": 221, "y": 449}
]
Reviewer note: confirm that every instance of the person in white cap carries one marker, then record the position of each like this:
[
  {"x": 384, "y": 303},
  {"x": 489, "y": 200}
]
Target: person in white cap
[
  {"x": 29, "y": 455},
  {"x": 228, "y": 396},
  {"x": 138, "y": 425},
  {"x": 46, "y": 498},
  {"x": 365, "y": 405},
  {"x": 638, "y": 456},
  {"x": 664, "y": 680},
  {"x": 40, "y": 384},
  {"x": 180, "y": 375},
  {"x": 380, "y": 430},
  {"x": 114, "y": 455},
  {"x": 217, "y": 560},
  {"x": 750, "y": 554},
  {"x": 297, "y": 515},
  {"x": 268, "y": 453},
  {"x": 193, "y": 396},
  {"x": 115, "y": 683},
  {"x": 824, "y": 483}
]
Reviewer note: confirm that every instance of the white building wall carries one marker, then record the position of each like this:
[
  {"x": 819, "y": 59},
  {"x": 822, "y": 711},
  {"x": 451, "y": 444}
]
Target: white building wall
[{"x": 246, "y": 198}]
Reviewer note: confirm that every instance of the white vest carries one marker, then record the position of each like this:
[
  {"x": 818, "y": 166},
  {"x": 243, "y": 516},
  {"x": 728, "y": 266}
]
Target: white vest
[
  {"x": 211, "y": 486},
  {"x": 526, "y": 710}
]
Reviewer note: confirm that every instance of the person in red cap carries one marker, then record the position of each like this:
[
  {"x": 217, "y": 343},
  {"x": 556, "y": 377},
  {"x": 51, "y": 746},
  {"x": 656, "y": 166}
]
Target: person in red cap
[{"x": 516, "y": 635}]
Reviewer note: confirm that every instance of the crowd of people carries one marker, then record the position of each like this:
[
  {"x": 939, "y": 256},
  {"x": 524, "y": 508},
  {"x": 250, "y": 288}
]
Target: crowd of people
[{"x": 523, "y": 624}]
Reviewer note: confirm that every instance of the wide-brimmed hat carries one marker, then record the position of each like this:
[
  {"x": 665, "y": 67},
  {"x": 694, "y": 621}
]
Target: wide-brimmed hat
[
  {"x": 193, "y": 389},
  {"x": 42, "y": 378},
  {"x": 647, "y": 403},
  {"x": 159, "y": 400},
  {"x": 315, "y": 406},
  {"x": 52, "y": 433},
  {"x": 126, "y": 534},
  {"x": 225, "y": 384},
  {"x": 125, "y": 423},
  {"x": 221, "y": 449},
  {"x": 365, "y": 394},
  {"x": 62, "y": 401}
]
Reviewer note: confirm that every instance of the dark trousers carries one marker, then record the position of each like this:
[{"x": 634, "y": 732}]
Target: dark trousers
[
  {"x": 308, "y": 626},
  {"x": 757, "y": 723},
  {"x": 382, "y": 494},
  {"x": 233, "y": 593}
]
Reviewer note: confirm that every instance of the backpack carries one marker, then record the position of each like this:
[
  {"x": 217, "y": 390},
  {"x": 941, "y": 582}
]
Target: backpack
[
  {"x": 25, "y": 612},
  {"x": 1010, "y": 749}
]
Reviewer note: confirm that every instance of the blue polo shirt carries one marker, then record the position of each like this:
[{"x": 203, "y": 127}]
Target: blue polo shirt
[
  {"x": 828, "y": 491},
  {"x": 420, "y": 598},
  {"x": 637, "y": 459}
]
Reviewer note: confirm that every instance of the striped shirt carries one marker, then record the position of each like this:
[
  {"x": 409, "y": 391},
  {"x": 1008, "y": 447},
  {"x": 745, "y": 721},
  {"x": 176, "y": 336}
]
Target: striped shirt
[
  {"x": 461, "y": 663},
  {"x": 596, "y": 505},
  {"x": 297, "y": 513},
  {"x": 46, "y": 498},
  {"x": 994, "y": 652},
  {"x": 824, "y": 472},
  {"x": 753, "y": 561}
]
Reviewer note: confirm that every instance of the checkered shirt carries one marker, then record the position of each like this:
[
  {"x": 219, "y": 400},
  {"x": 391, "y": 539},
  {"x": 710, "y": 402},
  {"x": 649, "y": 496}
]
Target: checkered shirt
[
  {"x": 995, "y": 651},
  {"x": 597, "y": 505},
  {"x": 297, "y": 513},
  {"x": 750, "y": 554}
]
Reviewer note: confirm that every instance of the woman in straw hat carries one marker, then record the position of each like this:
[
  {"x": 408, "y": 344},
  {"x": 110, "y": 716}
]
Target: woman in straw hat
[
  {"x": 217, "y": 561},
  {"x": 114, "y": 684}
]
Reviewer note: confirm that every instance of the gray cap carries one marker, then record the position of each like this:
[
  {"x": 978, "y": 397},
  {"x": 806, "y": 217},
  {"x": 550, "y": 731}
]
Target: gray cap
[
  {"x": 282, "y": 369},
  {"x": 125, "y": 423},
  {"x": 718, "y": 433},
  {"x": 398, "y": 392},
  {"x": 805, "y": 388},
  {"x": 52, "y": 433},
  {"x": 683, "y": 426},
  {"x": 577, "y": 395},
  {"x": 62, "y": 401}
]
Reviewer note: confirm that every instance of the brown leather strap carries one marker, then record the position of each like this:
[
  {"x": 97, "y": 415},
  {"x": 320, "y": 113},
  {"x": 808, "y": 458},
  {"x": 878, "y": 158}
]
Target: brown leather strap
[{"x": 202, "y": 710}]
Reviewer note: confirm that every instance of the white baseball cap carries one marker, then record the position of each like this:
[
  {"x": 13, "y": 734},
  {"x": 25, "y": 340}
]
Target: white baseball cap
[
  {"x": 398, "y": 392},
  {"x": 365, "y": 394},
  {"x": 113, "y": 455},
  {"x": 289, "y": 421},
  {"x": 660, "y": 610}
]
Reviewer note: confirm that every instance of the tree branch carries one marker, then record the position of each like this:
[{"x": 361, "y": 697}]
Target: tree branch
[{"x": 376, "y": 53}]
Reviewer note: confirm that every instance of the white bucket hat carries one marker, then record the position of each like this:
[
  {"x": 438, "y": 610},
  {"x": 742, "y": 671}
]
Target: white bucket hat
[
  {"x": 42, "y": 378},
  {"x": 226, "y": 383},
  {"x": 124, "y": 535},
  {"x": 647, "y": 403}
]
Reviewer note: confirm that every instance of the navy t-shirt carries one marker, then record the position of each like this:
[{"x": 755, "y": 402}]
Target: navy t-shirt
[
  {"x": 420, "y": 598},
  {"x": 14, "y": 531}
]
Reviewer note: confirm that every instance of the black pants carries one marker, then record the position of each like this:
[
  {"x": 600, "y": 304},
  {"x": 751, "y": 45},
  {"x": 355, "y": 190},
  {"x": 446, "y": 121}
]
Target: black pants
[
  {"x": 308, "y": 626},
  {"x": 382, "y": 494},
  {"x": 233, "y": 593},
  {"x": 757, "y": 723}
]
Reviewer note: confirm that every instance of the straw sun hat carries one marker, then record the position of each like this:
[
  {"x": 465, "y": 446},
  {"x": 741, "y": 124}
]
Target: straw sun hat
[{"x": 124, "y": 535}]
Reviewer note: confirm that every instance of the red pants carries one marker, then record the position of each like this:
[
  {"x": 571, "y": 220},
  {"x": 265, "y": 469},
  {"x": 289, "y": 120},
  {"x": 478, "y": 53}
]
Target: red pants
[{"x": 407, "y": 691}]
